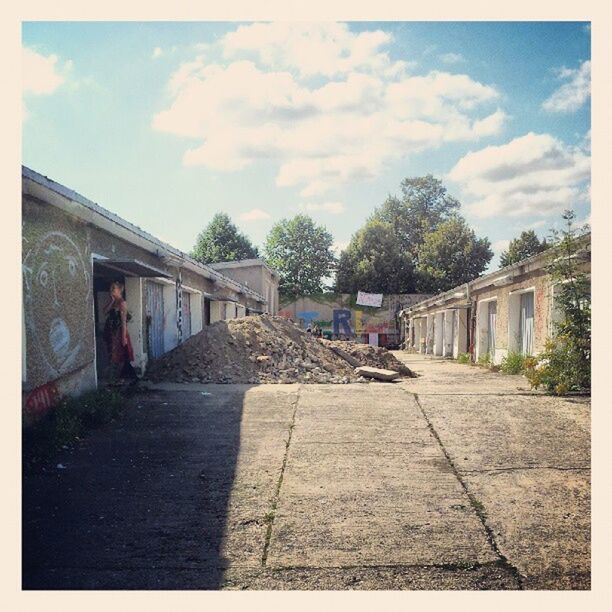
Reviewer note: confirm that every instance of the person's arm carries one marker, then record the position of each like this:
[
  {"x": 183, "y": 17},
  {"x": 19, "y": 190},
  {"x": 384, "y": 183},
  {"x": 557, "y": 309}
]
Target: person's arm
[
  {"x": 123, "y": 311},
  {"x": 108, "y": 305}
]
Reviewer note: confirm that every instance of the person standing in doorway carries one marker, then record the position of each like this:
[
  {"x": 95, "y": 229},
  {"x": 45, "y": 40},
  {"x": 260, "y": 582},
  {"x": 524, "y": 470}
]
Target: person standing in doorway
[{"x": 117, "y": 338}]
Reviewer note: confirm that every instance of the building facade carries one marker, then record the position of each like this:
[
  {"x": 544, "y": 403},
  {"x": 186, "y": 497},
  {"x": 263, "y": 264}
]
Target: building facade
[
  {"x": 72, "y": 249},
  {"x": 255, "y": 274},
  {"x": 510, "y": 310}
]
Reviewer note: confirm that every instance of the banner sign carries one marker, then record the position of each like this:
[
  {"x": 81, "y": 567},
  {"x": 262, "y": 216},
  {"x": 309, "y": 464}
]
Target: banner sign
[{"x": 369, "y": 299}]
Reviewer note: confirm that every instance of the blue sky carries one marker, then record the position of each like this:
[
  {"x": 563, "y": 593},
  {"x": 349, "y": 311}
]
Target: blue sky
[{"x": 168, "y": 123}]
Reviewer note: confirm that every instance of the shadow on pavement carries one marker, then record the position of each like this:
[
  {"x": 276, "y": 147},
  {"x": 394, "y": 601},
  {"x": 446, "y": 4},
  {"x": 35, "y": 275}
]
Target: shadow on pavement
[{"x": 141, "y": 503}]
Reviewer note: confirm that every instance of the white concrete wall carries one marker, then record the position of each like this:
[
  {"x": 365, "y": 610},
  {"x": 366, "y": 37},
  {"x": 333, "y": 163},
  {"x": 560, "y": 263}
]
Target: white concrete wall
[
  {"x": 170, "y": 328},
  {"x": 448, "y": 336},
  {"x": 134, "y": 298},
  {"x": 461, "y": 332},
  {"x": 438, "y": 334},
  {"x": 197, "y": 305}
]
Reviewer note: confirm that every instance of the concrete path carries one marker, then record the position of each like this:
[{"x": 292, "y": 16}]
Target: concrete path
[{"x": 368, "y": 486}]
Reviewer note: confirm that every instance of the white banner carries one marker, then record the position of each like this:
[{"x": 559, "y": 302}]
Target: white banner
[{"x": 369, "y": 299}]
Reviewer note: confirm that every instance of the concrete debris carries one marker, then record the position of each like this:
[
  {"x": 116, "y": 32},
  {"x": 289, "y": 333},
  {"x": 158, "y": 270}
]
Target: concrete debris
[
  {"x": 265, "y": 349},
  {"x": 366, "y": 354},
  {"x": 377, "y": 373}
]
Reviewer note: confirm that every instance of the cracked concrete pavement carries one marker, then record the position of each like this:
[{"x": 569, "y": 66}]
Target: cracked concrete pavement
[{"x": 460, "y": 479}]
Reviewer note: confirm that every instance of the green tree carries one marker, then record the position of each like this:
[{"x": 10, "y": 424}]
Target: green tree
[
  {"x": 424, "y": 205},
  {"x": 565, "y": 364},
  {"x": 451, "y": 255},
  {"x": 526, "y": 245},
  {"x": 375, "y": 261},
  {"x": 222, "y": 241},
  {"x": 301, "y": 252}
]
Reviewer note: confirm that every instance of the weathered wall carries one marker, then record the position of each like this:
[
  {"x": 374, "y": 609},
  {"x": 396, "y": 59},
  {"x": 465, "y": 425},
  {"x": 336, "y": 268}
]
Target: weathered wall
[
  {"x": 540, "y": 281},
  {"x": 57, "y": 299},
  {"x": 58, "y": 309},
  {"x": 338, "y": 314},
  {"x": 258, "y": 278}
]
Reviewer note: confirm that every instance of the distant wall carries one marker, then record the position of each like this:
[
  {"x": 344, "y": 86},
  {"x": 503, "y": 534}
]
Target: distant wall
[{"x": 338, "y": 315}]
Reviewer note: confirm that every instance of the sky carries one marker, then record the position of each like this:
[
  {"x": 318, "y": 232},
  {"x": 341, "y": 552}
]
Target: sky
[{"x": 167, "y": 124}]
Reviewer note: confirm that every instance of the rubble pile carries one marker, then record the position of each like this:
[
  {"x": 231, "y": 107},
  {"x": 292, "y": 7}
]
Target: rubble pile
[
  {"x": 373, "y": 356},
  {"x": 260, "y": 349}
]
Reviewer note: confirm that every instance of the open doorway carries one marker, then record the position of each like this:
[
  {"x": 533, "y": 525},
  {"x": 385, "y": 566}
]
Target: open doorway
[{"x": 103, "y": 277}]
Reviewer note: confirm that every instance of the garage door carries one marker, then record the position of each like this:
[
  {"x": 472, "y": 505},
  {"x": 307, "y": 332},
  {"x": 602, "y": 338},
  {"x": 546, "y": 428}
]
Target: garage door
[{"x": 155, "y": 320}]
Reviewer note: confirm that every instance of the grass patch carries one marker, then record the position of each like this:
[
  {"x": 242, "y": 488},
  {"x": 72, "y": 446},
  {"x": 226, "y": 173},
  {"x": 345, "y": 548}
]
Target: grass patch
[
  {"x": 464, "y": 358},
  {"x": 513, "y": 363},
  {"x": 484, "y": 360},
  {"x": 66, "y": 422}
]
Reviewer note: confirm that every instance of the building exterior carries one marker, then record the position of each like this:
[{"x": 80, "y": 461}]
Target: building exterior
[
  {"x": 510, "y": 310},
  {"x": 72, "y": 250},
  {"x": 255, "y": 274},
  {"x": 338, "y": 316}
]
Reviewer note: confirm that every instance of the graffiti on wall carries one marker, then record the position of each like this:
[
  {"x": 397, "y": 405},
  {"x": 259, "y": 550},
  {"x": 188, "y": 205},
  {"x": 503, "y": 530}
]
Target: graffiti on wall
[
  {"x": 342, "y": 321},
  {"x": 56, "y": 286},
  {"x": 41, "y": 399}
]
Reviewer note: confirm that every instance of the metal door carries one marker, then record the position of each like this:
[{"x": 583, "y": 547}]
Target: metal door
[
  {"x": 492, "y": 318},
  {"x": 186, "y": 315},
  {"x": 526, "y": 323},
  {"x": 155, "y": 319}
]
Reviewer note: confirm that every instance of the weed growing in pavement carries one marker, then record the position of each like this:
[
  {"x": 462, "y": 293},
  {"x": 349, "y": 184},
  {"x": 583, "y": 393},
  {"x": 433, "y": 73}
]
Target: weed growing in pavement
[
  {"x": 484, "y": 360},
  {"x": 513, "y": 363},
  {"x": 464, "y": 358},
  {"x": 66, "y": 422}
]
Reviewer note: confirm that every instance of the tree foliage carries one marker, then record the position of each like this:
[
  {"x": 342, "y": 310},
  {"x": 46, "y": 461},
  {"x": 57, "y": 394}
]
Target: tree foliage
[
  {"x": 526, "y": 245},
  {"x": 424, "y": 205},
  {"x": 300, "y": 250},
  {"x": 401, "y": 248},
  {"x": 222, "y": 241},
  {"x": 375, "y": 261},
  {"x": 565, "y": 364},
  {"x": 451, "y": 255}
]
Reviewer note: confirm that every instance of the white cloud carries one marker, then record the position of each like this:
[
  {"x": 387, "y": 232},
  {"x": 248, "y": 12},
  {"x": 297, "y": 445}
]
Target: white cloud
[
  {"x": 42, "y": 75},
  {"x": 338, "y": 247},
  {"x": 157, "y": 52},
  {"x": 452, "y": 58},
  {"x": 499, "y": 246},
  {"x": 256, "y": 214},
  {"x": 535, "y": 174},
  {"x": 361, "y": 112},
  {"x": 326, "y": 49},
  {"x": 333, "y": 208},
  {"x": 572, "y": 94}
]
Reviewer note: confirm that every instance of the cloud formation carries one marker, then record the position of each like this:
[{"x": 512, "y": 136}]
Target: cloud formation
[
  {"x": 255, "y": 214},
  {"x": 333, "y": 208},
  {"x": 535, "y": 174},
  {"x": 42, "y": 75},
  {"x": 452, "y": 58},
  {"x": 327, "y": 105},
  {"x": 573, "y": 93}
]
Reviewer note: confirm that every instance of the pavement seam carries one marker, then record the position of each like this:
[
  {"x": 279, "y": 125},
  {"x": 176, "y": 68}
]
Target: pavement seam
[
  {"x": 272, "y": 513},
  {"x": 476, "y": 505},
  {"x": 520, "y": 468}
]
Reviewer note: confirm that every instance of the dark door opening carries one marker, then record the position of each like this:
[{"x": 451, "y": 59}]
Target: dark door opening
[{"x": 101, "y": 287}]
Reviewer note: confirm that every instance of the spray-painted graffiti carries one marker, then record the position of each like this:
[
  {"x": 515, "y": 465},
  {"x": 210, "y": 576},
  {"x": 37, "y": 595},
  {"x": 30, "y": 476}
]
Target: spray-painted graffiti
[
  {"x": 342, "y": 321},
  {"x": 56, "y": 291},
  {"x": 307, "y": 316},
  {"x": 41, "y": 399}
]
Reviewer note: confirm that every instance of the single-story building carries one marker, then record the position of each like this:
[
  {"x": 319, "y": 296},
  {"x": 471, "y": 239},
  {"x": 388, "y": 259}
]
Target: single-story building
[
  {"x": 510, "y": 310},
  {"x": 72, "y": 249},
  {"x": 255, "y": 274}
]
